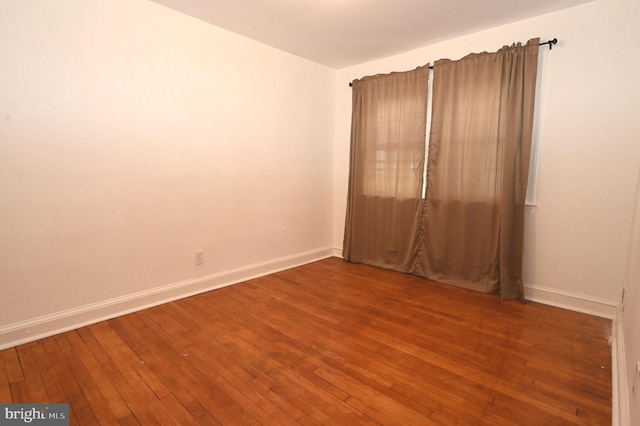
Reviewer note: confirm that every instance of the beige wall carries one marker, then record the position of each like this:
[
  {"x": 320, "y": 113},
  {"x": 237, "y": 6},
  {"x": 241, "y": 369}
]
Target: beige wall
[
  {"x": 631, "y": 319},
  {"x": 588, "y": 146},
  {"x": 132, "y": 136}
]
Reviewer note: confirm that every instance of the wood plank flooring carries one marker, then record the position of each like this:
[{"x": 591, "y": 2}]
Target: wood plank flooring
[{"x": 326, "y": 343}]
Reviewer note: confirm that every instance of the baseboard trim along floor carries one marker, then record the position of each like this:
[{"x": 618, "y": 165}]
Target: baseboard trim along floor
[{"x": 47, "y": 325}]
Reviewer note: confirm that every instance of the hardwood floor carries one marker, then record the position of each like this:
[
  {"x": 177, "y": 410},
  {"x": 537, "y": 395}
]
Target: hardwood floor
[{"x": 326, "y": 343}]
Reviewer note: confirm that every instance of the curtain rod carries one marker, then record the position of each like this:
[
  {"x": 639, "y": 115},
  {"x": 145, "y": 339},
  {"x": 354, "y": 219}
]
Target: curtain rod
[{"x": 550, "y": 43}]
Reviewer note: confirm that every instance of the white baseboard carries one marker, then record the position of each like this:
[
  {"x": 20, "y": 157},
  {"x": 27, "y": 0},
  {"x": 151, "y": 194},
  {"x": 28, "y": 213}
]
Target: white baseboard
[
  {"x": 37, "y": 328},
  {"x": 619, "y": 385},
  {"x": 571, "y": 301},
  {"x": 605, "y": 309},
  {"x": 558, "y": 298}
]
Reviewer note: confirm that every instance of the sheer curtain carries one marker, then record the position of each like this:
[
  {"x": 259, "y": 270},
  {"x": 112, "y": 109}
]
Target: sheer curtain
[
  {"x": 479, "y": 149},
  {"x": 388, "y": 132}
]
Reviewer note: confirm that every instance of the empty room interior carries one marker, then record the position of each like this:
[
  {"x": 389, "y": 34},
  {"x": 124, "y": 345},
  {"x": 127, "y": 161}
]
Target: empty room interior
[{"x": 178, "y": 242}]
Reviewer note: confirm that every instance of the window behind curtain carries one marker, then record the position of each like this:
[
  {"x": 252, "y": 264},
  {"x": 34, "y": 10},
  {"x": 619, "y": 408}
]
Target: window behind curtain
[{"x": 387, "y": 160}]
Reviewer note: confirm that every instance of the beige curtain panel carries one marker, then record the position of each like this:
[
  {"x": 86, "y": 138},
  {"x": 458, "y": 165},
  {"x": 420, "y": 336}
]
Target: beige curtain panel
[
  {"x": 479, "y": 150},
  {"x": 388, "y": 136},
  {"x": 469, "y": 230}
]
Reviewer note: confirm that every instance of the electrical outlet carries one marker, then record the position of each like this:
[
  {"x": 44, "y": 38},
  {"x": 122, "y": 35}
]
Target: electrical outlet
[{"x": 199, "y": 258}]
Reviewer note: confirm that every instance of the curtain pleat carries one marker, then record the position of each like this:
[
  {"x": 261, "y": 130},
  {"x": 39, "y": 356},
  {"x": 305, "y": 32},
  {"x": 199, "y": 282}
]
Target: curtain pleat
[
  {"x": 478, "y": 165},
  {"x": 388, "y": 136}
]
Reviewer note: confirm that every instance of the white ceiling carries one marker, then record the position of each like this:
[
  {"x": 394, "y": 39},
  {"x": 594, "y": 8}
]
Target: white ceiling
[{"x": 340, "y": 33}]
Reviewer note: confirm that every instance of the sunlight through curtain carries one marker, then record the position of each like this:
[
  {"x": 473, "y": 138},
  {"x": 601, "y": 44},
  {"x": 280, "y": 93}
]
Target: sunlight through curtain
[
  {"x": 478, "y": 165},
  {"x": 388, "y": 133}
]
